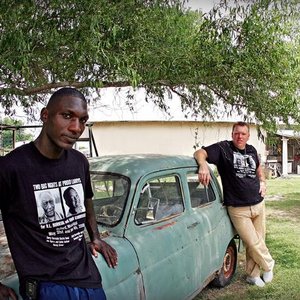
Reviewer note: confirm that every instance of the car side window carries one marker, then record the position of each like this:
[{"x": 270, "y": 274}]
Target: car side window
[
  {"x": 160, "y": 198},
  {"x": 199, "y": 194},
  {"x": 110, "y": 196}
]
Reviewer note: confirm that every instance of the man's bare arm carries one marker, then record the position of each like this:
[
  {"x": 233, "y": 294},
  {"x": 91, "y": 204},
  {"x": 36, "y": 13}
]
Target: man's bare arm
[
  {"x": 203, "y": 172},
  {"x": 97, "y": 244},
  {"x": 7, "y": 293},
  {"x": 262, "y": 179}
]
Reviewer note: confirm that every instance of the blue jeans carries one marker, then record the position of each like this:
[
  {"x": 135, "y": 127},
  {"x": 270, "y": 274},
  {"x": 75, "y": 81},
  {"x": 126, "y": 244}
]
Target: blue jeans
[{"x": 53, "y": 291}]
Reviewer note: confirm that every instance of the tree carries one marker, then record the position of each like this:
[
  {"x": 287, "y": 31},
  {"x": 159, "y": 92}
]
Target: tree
[{"x": 244, "y": 56}]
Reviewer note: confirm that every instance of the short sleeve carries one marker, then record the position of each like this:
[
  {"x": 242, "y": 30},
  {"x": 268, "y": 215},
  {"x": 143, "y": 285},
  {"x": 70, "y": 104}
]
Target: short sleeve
[{"x": 213, "y": 153}]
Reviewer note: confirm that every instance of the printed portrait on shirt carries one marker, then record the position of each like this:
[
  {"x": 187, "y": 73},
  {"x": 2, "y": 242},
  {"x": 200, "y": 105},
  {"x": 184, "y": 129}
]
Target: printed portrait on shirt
[
  {"x": 73, "y": 200},
  {"x": 244, "y": 165},
  {"x": 49, "y": 206}
]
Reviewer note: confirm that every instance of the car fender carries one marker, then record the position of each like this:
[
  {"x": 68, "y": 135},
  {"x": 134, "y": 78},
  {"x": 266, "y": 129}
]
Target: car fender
[{"x": 125, "y": 278}]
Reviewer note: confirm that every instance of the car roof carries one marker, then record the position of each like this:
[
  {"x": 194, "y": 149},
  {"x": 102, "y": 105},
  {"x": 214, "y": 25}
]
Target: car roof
[{"x": 139, "y": 164}]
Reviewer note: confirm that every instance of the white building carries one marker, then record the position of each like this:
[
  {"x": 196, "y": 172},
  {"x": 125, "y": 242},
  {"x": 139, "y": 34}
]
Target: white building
[
  {"x": 165, "y": 137},
  {"x": 117, "y": 129}
]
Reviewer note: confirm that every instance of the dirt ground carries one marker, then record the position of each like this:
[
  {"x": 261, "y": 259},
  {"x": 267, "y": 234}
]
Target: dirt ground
[{"x": 237, "y": 285}]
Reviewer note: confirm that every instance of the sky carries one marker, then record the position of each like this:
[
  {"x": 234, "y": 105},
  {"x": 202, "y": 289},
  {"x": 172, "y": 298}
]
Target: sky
[{"x": 204, "y": 6}]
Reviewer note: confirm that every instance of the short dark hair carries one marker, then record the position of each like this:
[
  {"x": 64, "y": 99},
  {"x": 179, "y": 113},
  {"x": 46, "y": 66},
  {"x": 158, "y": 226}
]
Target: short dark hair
[
  {"x": 241, "y": 123},
  {"x": 66, "y": 91},
  {"x": 67, "y": 197}
]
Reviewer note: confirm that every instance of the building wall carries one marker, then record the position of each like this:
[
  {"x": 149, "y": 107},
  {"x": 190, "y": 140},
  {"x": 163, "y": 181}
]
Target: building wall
[{"x": 164, "y": 137}]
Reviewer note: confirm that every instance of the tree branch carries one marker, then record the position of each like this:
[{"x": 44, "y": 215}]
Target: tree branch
[{"x": 48, "y": 87}]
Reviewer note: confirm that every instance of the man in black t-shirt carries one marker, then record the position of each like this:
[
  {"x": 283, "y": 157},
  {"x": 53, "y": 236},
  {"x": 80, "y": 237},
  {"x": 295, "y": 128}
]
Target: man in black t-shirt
[
  {"x": 244, "y": 187},
  {"x": 52, "y": 258}
]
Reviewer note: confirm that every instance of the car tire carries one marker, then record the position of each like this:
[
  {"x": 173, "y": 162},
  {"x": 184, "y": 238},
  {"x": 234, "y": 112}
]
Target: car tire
[{"x": 227, "y": 271}]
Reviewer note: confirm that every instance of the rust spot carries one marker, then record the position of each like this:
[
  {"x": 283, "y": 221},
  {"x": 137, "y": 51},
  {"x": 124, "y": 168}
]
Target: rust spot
[{"x": 164, "y": 226}]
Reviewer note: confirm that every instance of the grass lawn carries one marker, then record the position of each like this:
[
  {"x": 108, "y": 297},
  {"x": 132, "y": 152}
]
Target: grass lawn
[{"x": 283, "y": 240}]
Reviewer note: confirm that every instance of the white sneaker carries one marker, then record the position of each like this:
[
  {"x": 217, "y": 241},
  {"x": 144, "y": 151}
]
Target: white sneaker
[
  {"x": 255, "y": 281},
  {"x": 268, "y": 276}
]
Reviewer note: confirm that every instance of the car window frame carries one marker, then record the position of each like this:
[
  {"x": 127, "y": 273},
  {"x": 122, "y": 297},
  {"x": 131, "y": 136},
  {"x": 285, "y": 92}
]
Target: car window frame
[
  {"x": 100, "y": 173},
  {"x": 152, "y": 177},
  {"x": 208, "y": 191}
]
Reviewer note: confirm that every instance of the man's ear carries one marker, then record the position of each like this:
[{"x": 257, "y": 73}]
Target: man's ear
[{"x": 44, "y": 114}]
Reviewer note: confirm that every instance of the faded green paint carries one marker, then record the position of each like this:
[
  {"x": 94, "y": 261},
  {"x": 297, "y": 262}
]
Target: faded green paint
[{"x": 178, "y": 255}]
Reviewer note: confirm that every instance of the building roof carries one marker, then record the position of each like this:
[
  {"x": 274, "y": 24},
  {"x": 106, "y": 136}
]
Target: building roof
[
  {"x": 113, "y": 105},
  {"x": 288, "y": 133}
]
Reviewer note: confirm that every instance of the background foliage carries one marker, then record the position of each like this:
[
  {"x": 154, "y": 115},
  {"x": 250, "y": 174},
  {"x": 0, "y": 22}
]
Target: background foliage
[{"x": 6, "y": 135}]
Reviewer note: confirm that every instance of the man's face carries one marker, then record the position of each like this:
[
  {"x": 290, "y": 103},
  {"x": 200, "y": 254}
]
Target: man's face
[
  {"x": 74, "y": 198},
  {"x": 240, "y": 136},
  {"x": 48, "y": 206},
  {"x": 65, "y": 121}
]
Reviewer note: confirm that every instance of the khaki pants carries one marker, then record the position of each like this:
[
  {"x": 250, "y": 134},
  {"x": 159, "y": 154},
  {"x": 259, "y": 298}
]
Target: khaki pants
[{"x": 249, "y": 222}]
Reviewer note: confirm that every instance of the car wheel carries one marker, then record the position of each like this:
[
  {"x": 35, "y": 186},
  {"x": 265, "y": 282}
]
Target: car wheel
[{"x": 227, "y": 271}]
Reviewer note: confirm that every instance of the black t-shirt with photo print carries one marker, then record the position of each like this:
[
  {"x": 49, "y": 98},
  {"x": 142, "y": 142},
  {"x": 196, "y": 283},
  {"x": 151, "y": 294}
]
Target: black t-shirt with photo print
[
  {"x": 237, "y": 169},
  {"x": 46, "y": 242}
]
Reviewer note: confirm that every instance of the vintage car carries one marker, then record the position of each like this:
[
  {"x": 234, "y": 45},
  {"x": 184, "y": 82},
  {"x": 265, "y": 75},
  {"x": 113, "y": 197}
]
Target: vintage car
[{"x": 172, "y": 234}]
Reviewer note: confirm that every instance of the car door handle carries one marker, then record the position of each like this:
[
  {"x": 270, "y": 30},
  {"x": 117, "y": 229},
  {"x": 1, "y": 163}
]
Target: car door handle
[{"x": 193, "y": 225}]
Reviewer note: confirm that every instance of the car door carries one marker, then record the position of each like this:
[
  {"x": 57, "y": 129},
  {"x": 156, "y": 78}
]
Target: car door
[
  {"x": 209, "y": 214},
  {"x": 158, "y": 231}
]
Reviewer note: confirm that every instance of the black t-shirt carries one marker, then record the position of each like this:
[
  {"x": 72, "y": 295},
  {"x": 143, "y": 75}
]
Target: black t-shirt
[
  {"x": 237, "y": 169},
  {"x": 46, "y": 242}
]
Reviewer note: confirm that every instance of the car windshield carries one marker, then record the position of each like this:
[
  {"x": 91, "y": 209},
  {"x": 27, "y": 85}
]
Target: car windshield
[{"x": 110, "y": 195}]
